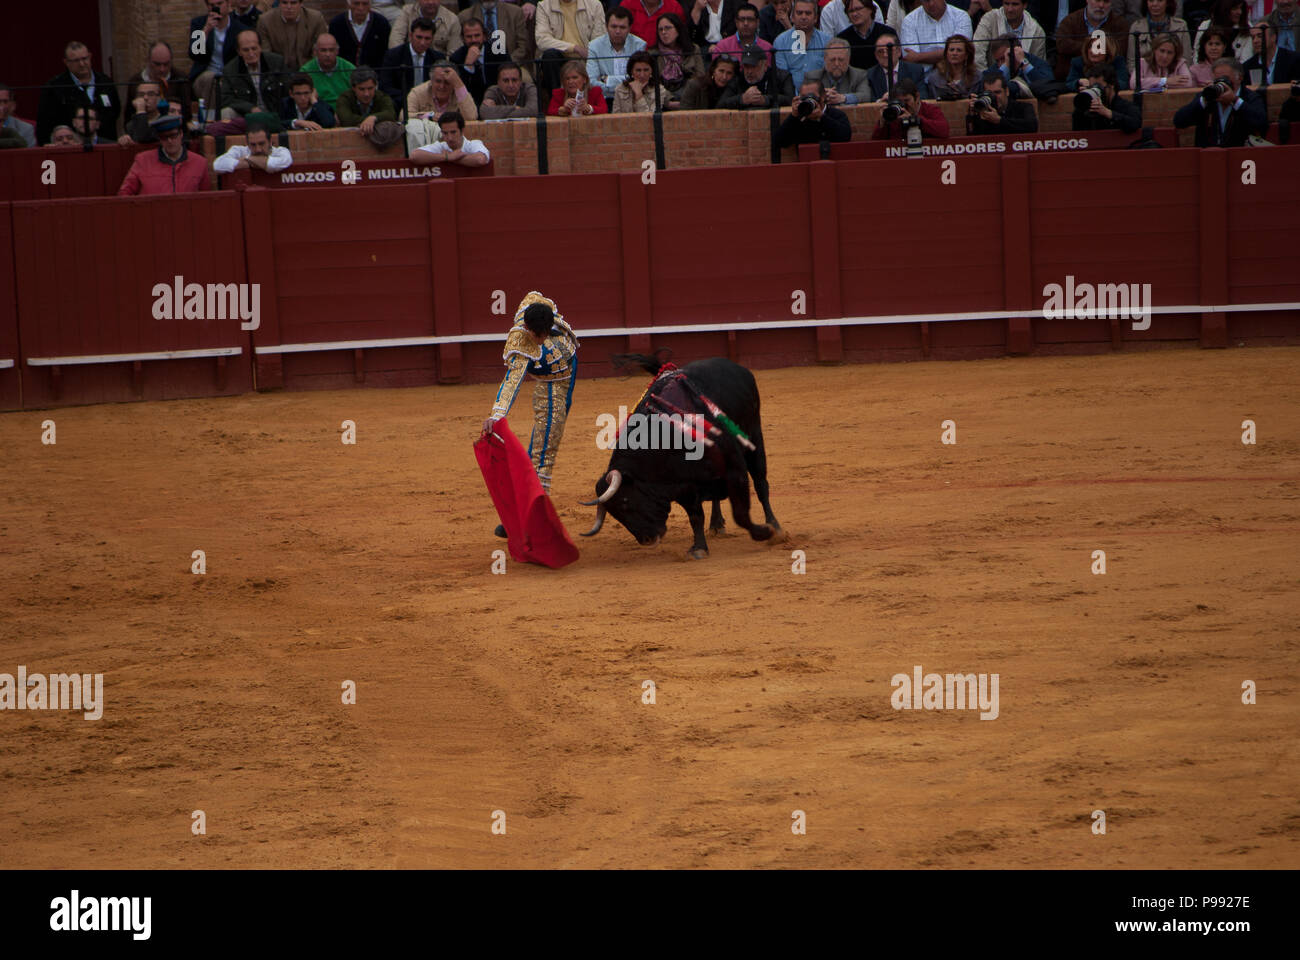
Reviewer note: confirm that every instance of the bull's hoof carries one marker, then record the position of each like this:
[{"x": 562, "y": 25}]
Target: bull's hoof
[
  {"x": 719, "y": 531},
  {"x": 761, "y": 532},
  {"x": 698, "y": 553},
  {"x": 778, "y": 534}
]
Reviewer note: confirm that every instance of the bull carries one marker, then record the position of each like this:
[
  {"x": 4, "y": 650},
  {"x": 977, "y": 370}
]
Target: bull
[{"x": 640, "y": 486}]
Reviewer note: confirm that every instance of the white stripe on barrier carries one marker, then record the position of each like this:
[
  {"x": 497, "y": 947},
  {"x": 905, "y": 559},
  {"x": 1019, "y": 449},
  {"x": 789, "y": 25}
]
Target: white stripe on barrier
[
  {"x": 759, "y": 325},
  {"x": 128, "y": 357},
  {"x": 6, "y": 364}
]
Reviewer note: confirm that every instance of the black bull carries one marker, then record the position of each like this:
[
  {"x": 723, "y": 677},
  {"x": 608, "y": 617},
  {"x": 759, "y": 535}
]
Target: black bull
[{"x": 640, "y": 486}]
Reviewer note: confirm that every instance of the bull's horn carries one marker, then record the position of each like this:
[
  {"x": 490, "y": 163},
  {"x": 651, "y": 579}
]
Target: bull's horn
[
  {"x": 600, "y": 522},
  {"x": 614, "y": 478}
]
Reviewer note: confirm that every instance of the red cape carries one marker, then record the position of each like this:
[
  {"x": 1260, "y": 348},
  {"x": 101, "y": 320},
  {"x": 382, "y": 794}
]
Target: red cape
[{"x": 536, "y": 534}]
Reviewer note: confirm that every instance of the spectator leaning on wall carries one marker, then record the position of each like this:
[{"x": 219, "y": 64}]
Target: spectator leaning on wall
[
  {"x": 258, "y": 154},
  {"x": 453, "y": 147}
]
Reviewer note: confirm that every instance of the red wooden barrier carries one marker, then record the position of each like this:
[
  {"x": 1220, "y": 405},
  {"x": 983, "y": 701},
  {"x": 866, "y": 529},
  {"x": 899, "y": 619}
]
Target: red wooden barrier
[
  {"x": 856, "y": 260},
  {"x": 369, "y": 173},
  {"x": 88, "y": 309},
  {"x": 24, "y": 174},
  {"x": 10, "y": 359}
]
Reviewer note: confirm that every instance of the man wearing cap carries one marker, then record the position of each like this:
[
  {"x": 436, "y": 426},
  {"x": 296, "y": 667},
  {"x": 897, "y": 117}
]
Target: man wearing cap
[
  {"x": 757, "y": 86},
  {"x": 169, "y": 169}
]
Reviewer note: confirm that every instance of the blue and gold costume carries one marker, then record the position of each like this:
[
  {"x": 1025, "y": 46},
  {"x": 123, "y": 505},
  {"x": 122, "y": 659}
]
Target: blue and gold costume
[{"x": 554, "y": 364}]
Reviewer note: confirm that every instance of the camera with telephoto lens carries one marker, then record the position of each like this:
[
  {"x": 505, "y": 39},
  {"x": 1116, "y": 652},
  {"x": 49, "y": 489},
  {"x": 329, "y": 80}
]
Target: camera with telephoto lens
[
  {"x": 804, "y": 107},
  {"x": 893, "y": 110},
  {"x": 1217, "y": 89},
  {"x": 1084, "y": 98},
  {"x": 982, "y": 103}
]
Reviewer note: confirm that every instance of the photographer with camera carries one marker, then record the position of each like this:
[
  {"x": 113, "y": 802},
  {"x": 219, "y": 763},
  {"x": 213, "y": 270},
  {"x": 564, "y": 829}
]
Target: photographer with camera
[
  {"x": 1227, "y": 112},
  {"x": 1291, "y": 108},
  {"x": 906, "y": 109},
  {"x": 1097, "y": 107},
  {"x": 812, "y": 119},
  {"x": 994, "y": 111}
]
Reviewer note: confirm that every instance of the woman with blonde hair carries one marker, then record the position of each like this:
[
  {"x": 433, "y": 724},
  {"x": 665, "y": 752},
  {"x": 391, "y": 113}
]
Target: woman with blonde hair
[
  {"x": 576, "y": 96},
  {"x": 1165, "y": 69},
  {"x": 955, "y": 77}
]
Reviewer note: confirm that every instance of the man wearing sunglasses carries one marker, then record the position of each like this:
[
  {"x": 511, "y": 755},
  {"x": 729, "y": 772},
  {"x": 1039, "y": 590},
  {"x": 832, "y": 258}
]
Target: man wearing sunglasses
[
  {"x": 169, "y": 169},
  {"x": 79, "y": 85}
]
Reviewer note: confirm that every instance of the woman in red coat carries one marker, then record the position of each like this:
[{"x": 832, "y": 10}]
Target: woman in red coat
[{"x": 574, "y": 97}]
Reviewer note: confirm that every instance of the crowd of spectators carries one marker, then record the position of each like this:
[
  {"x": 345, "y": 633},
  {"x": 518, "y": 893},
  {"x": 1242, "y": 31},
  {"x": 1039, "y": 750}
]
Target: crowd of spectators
[{"x": 421, "y": 69}]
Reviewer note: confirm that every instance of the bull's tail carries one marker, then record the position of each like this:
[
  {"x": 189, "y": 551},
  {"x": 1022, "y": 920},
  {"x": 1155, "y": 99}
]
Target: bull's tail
[{"x": 628, "y": 363}]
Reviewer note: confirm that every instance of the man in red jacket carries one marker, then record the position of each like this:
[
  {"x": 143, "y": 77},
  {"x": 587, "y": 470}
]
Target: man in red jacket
[
  {"x": 169, "y": 169},
  {"x": 911, "y": 106}
]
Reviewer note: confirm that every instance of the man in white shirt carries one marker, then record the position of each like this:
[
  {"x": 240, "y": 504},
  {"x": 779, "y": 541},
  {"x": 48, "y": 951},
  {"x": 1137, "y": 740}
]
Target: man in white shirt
[
  {"x": 927, "y": 28},
  {"x": 258, "y": 154},
  {"x": 453, "y": 147},
  {"x": 607, "y": 56}
]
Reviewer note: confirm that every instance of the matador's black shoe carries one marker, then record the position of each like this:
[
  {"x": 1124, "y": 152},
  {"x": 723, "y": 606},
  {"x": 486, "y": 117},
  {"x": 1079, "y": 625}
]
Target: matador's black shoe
[{"x": 500, "y": 531}]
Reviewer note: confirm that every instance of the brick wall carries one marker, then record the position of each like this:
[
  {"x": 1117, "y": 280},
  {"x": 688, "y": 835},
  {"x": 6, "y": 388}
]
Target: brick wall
[
  {"x": 703, "y": 138},
  {"x": 137, "y": 23}
]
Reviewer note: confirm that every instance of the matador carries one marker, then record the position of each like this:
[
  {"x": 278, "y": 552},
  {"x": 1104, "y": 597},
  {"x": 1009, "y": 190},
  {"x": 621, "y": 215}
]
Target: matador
[{"x": 540, "y": 343}]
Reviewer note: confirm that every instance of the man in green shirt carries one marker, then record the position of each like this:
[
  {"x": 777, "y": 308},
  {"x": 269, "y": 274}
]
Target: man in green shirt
[
  {"x": 330, "y": 73},
  {"x": 369, "y": 109}
]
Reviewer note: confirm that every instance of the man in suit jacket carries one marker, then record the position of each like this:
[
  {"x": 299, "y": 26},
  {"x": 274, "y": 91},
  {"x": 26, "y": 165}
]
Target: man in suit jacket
[
  {"x": 1228, "y": 121},
  {"x": 844, "y": 84},
  {"x": 704, "y": 16},
  {"x": 475, "y": 61},
  {"x": 80, "y": 85},
  {"x": 510, "y": 20},
  {"x": 208, "y": 59},
  {"x": 369, "y": 50},
  {"x": 409, "y": 65},
  {"x": 1278, "y": 65},
  {"x": 254, "y": 82},
  {"x": 889, "y": 50},
  {"x": 21, "y": 129},
  {"x": 291, "y": 31},
  {"x": 446, "y": 28},
  {"x": 297, "y": 112}
]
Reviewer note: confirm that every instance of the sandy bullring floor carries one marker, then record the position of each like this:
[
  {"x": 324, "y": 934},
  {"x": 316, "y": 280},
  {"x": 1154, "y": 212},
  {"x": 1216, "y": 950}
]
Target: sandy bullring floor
[{"x": 522, "y": 692}]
